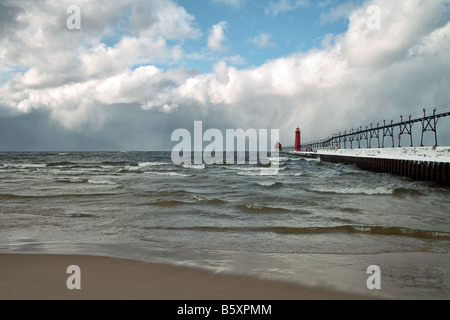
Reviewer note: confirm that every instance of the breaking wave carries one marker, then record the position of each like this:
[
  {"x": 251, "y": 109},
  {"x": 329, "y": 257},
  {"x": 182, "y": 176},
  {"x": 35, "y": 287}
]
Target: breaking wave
[
  {"x": 208, "y": 201},
  {"x": 152, "y": 164},
  {"x": 194, "y": 166},
  {"x": 354, "y": 190},
  {"x": 254, "y": 208},
  {"x": 100, "y": 181},
  {"x": 370, "y": 230},
  {"x": 270, "y": 184}
]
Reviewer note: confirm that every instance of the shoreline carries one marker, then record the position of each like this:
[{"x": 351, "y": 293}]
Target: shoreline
[{"x": 43, "y": 277}]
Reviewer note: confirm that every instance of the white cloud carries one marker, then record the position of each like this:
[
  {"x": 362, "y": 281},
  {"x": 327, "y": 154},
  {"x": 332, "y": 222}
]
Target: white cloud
[
  {"x": 281, "y": 6},
  {"x": 263, "y": 40},
  {"x": 142, "y": 29},
  {"x": 217, "y": 36},
  {"x": 403, "y": 25}
]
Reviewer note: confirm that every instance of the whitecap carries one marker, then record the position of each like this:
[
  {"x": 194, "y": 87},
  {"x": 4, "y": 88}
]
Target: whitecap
[
  {"x": 169, "y": 173},
  {"x": 131, "y": 168},
  {"x": 152, "y": 164},
  {"x": 24, "y": 165},
  {"x": 249, "y": 173},
  {"x": 99, "y": 181},
  {"x": 267, "y": 183},
  {"x": 355, "y": 190},
  {"x": 245, "y": 169},
  {"x": 296, "y": 174},
  {"x": 194, "y": 166}
]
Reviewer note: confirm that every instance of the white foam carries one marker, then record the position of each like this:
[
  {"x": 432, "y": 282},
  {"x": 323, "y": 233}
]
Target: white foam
[
  {"x": 194, "y": 166},
  {"x": 267, "y": 183},
  {"x": 355, "y": 190},
  {"x": 245, "y": 168},
  {"x": 296, "y": 174},
  {"x": 99, "y": 181},
  {"x": 151, "y": 164},
  {"x": 249, "y": 173},
  {"x": 24, "y": 165},
  {"x": 108, "y": 167},
  {"x": 169, "y": 173},
  {"x": 130, "y": 168},
  {"x": 278, "y": 159}
]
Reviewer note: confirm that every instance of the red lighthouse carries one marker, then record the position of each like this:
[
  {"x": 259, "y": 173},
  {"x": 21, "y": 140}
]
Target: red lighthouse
[{"x": 297, "y": 140}]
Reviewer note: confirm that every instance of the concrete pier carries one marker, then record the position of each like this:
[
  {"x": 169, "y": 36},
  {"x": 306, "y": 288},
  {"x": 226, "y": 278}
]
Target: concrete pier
[
  {"x": 437, "y": 172},
  {"x": 421, "y": 164}
]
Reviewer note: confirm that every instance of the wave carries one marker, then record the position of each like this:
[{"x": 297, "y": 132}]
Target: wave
[
  {"x": 134, "y": 169},
  {"x": 278, "y": 159},
  {"x": 152, "y": 164},
  {"x": 399, "y": 192},
  {"x": 368, "y": 230},
  {"x": 354, "y": 190},
  {"x": 406, "y": 192},
  {"x": 246, "y": 171},
  {"x": 100, "y": 181},
  {"x": 82, "y": 215},
  {"x": 208, "y": 201},
  {"x": 296, "y": 174},
  {"x": 131, "y": 170},
  {"x": 270, "y": 184},
  {"x": 352, "y": 210},
  {"x": 250, "y": 173},
  {"x": 305, "y": 159},
  {"x": 242, "y": 168},
  {"x": 24, "y": 165},
  {"x": 55, "y": 196},
  {"x": 194, "y": 166},
  {"x": 176, "y": 203},
  {"x": 118, "y": 163},
  {"x": 253, "y": 208},
  {"x": 166, "y": 203},
  {"x": 294, "y": 159},
  {"x": 86, "y": 167},
  {"x": 74, "y": 180},
  {"x": 170, "y": 173},
  {"x": 260, "y": 172},
  {"x": 61, "y": 164}
]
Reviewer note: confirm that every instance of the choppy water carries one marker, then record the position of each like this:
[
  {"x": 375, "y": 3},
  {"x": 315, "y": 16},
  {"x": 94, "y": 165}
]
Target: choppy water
[{"x": 313, "y": 223}]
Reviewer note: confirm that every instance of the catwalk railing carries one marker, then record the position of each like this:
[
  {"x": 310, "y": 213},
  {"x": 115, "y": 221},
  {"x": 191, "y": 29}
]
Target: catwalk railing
[{"x": 380, "y": 133}]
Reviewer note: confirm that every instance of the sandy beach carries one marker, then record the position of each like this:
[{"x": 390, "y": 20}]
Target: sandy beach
[{"x": 43, "y": 277}]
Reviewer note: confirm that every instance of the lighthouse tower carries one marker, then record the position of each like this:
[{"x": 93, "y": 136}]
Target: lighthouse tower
[{"x": 297, "y": 139}]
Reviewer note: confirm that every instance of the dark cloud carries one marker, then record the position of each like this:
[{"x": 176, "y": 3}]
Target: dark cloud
[
  {"x": 36, "y": 131},
  {"x": 8, "y": 18}
]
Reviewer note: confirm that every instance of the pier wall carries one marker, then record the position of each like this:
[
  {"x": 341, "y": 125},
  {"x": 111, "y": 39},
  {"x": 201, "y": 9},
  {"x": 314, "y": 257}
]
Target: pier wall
[{"x": 438, "y": 172}]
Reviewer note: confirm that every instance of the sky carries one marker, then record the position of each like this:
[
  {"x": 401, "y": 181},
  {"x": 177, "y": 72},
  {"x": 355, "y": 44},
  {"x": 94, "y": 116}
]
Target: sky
[{"x": 133, "y": 71}]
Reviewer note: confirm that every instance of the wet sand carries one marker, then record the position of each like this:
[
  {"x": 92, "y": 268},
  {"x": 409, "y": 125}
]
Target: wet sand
[{"x": 44, "y": 277}]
